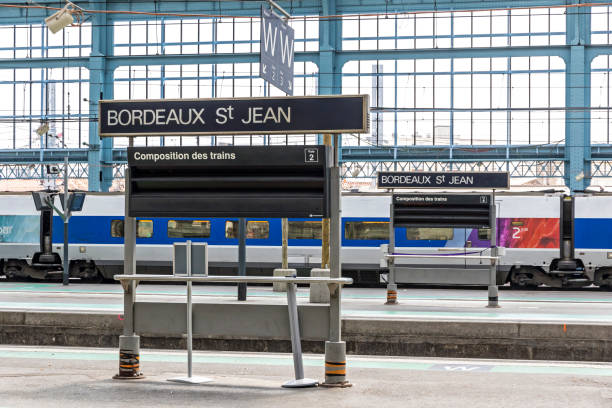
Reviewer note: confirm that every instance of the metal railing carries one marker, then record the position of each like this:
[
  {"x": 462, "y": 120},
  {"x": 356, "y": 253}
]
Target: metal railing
[{"x": 294, "y": 327}]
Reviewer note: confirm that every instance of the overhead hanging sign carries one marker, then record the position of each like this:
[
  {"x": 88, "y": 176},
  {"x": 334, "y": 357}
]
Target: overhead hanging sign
[
  {"x": 276, "y": 51},
  {"x": 417, "y": 180},
  {"x": 286, "y": 115}
]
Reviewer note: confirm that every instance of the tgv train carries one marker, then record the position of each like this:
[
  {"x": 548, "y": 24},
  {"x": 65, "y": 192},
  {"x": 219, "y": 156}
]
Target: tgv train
[{"x": 532, "y": 227}]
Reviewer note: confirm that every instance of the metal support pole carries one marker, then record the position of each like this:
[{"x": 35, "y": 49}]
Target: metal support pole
[
  {"x": 391, "y": 285},
  {"x": 285, "y": 247},
  {"x": 190, "y": 379},
  {"x": 242, "y": 287},
  {"x": 325, "y": 224},
  {"x": 66, "y": 271},
  {"x": 296, "y": 345},
  {"x": 129, "y": 342},
  {"x": 335, "y": 349},
  {"x": 189, "y": 314},
  {"x": 493, "y": 291}
]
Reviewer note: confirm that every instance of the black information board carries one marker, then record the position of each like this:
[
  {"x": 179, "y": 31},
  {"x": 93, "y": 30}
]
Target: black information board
[
  {"x": 286, "y": 115},
  {"x": 229, "y": 181},
  {"x": 441, "y": 210},
  {"x": 443, "y": 180}
]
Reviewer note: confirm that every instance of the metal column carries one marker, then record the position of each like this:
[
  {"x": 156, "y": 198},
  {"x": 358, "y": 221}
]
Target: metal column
[
  {"x": 242, "y": 287},
  {"x": 335, "y": 349},
  {"x": 129, "y": 342},
  {"x": 66, "y": 271},
  {"x": 296, "y": 345},
  {"x": 190, "y": 379},
  {"x": 493, "y": 291},
  {"x": 391, "y": 285}
]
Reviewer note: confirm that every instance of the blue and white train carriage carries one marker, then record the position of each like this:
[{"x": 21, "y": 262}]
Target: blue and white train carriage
[{"x": 529, "y": 228}]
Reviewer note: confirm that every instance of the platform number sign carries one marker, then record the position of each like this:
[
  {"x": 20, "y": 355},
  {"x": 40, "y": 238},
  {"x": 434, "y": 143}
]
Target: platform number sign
[
  {"x": 276, "y": 51},
  {"x": 311, "y": 155}
]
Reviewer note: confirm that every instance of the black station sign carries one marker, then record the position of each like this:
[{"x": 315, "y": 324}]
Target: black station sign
[
  {"x": 441, "y": 210},
  {"x": 285, "y": 115},
  {"x": 229, "y": 181},
  {"x": 417, "y": 180}
]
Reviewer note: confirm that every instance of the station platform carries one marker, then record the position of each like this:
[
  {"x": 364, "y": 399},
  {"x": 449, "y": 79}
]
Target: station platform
[
  {"x": 542, "y": 324},
  {"x": 75, "y": 377}
]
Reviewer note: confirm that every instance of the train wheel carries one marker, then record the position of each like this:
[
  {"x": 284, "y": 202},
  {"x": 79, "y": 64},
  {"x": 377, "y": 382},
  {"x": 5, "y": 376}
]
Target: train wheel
[
  {"x": 522, "y": 279},
  {"x": 603, "y": 279}
]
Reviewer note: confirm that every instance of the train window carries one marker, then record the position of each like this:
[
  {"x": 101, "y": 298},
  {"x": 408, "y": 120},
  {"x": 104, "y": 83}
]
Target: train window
[
  {"x": 484, "y": 234},
  {"x": 366, "y": 230},
  {"x": 434, "y": 234},
  {"x": 188, "y": 229},
  {"x": 254, "y": 229},
  {"x": 144, "y": 229},
  {"x": 305, "y": 229},
  {"x": 117, "y": 228}
]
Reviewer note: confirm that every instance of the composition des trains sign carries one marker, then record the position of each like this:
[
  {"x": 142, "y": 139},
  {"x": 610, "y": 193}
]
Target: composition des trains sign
[
  {"x": 285, "y": 115},
  {"x": 419, "y": 180}
]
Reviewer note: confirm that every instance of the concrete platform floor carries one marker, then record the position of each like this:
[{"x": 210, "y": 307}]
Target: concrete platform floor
[
  {"x": 72, "y": 377},
  {"x": 560, "y": 306}
]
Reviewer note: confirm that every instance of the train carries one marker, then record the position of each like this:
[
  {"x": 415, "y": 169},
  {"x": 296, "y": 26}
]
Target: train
[{"x": 545, "y": 241}]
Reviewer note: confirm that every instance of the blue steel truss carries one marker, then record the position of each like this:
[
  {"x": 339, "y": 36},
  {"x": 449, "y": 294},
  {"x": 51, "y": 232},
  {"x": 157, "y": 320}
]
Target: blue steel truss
[{"x": 575, "y": 160}]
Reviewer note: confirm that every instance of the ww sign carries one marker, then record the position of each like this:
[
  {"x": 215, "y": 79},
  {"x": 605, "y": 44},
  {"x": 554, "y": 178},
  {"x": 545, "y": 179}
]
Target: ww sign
[{"x": 276, "y": 51}]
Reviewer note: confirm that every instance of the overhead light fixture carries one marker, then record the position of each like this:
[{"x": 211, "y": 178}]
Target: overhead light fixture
[{"x": 64, "y": 17}]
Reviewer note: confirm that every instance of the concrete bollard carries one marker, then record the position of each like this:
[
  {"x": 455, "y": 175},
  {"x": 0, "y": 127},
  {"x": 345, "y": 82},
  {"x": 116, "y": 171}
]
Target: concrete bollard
[
  {"x": 391, "y": 294},
  {"x": 319, "y": 292},
  {"x": 129, "y": 358},
  {"x": 280, "y": 286},
  {"x": 335, "y": 365}
]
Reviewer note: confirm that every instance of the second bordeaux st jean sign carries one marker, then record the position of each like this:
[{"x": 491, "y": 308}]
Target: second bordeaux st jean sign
[{"x": 286, "y": 115}]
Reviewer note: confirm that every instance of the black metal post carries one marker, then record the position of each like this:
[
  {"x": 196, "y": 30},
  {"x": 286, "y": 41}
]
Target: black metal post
[
  {"x": 66, "y": 271},
  {"x": 242, "y": 287}
]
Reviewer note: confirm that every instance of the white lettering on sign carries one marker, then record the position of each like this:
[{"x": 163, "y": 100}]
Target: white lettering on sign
[
  {"x": 286, "y": 50},
  {"x": 155, "y": 157},
  {"x": 269, "y": 40},
  {"x": 406, "y": 179},
  {"x": 223, "y": 114},
  {"x": 422, "y": 199},
  {"x": 159, "y": 117},
  {"x": 270, "y": 35},
  {"x": 6, "y": 230},
  {"x": 464, "y": 180},
  {"x": 257, "y": 115}
]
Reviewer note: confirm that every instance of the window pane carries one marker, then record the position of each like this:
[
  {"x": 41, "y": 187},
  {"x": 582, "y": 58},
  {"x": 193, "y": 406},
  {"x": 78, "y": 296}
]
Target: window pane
[
  {"x": 366, "y": 230},
  {"x": 258, "y": 229},
  {"x": 305, "y": 229},
  {"x": 442, "y": 234},
  {"x": 117, "y": 228},
  {"x": 254, "y": 229},
  {"x": 144, "y": 229},
  {"x": 188, "y": 229}
]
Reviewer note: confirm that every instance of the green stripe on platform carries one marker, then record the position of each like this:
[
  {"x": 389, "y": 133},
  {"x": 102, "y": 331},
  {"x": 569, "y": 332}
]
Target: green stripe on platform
[{"x": 313, "y": 361}]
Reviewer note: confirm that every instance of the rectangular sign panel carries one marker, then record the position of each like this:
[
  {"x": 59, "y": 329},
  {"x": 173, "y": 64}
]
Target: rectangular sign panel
[
  {"x": 229, "y": 181},
  {"x": 286, "y": 115},
  {"x": 276, "y": 51},
  {"x": 443, "y": 180},
  {"x": 441, "y": 210}
]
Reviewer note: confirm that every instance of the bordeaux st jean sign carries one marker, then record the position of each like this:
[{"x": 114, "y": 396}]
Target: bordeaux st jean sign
[{"x": 280, "y": 115}]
